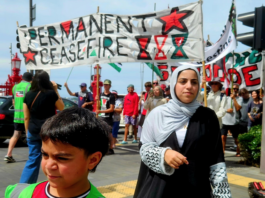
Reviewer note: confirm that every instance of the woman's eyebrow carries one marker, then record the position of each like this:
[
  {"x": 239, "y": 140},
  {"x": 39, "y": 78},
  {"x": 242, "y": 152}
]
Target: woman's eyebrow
[{"x": 187, "y": 79}]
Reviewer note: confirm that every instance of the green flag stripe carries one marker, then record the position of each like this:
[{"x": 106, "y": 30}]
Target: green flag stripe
[
  {"x": 115, "y": 67},
  {"x": 156, "y": 70}
]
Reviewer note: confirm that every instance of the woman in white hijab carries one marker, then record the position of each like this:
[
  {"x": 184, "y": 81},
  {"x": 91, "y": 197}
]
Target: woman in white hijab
[{"x": 181, "y": 147}]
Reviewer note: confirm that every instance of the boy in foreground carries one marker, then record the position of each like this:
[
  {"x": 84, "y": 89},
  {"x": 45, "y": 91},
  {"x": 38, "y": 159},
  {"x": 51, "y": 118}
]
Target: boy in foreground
[{"x": 73, "y": 144}]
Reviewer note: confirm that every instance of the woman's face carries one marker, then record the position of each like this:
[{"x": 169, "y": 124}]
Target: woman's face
[
  {"x": 156, "y": 91},
  {"x": 187, "y": 86},
  {"x": 254, "y": 95}
]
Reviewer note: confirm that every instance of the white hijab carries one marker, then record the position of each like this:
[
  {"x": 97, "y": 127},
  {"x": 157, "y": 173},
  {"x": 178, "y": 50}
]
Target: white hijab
[{"x": 167, "y": 118}]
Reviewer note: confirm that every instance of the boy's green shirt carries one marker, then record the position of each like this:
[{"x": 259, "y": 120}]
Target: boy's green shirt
[{"x": 27, "y": 190}]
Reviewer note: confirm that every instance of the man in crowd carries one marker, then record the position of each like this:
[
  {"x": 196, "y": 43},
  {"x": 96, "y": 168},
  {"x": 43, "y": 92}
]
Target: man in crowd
[
  {"x": 19, "y": 92},
  {"x": 148, "y": 87},
  {"x": 85, "y": 98},
  {"x": 107, "y": 100},
  {"x": 231, "y": 118},
  {"x": 167, "y": 93},
  {"x": 116, "y": 116},
  {"x": 215, "y": 99},
  {"x": 130, "y": 111},
  {"x": 155, "y": 83},
  {"x": 243, "y": 121}
]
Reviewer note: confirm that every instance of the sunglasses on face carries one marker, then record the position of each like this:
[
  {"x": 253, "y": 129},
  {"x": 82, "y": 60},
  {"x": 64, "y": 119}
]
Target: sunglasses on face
[
  {"x": 215, "y": 83},
  {"x": 155, "y": 83},
  {"x": 235, "y": 88}
]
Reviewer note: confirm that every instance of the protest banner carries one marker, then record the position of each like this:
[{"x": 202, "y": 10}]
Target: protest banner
[
  {"x": 168, "y": 35},
  {"x": 247, "y": 70}
]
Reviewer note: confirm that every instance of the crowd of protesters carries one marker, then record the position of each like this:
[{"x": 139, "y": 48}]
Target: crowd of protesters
[{"x": 153, "y": 116}]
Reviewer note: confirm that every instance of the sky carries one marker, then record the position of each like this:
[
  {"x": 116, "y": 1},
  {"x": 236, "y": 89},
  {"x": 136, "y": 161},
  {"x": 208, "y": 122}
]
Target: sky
[{"x": 215, "y": 14}]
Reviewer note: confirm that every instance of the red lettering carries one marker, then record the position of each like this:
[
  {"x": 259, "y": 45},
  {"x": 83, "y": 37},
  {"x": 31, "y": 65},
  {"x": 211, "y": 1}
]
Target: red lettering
[
  {"x": 216, "y": 69},
  {"x": 173, "y": 68},
  {"x": 208, "y": 78},
  {"x": 238, "y": 77},
  {"x": 247, "y": 76},
  {"x": 164, "y": 73}
]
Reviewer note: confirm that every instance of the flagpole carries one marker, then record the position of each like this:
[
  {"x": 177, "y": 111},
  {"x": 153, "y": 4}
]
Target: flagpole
[
  {"x": 204, "y": 86},
  {"x": 154, "y": 55},
  {"x": 232, "y": 78},
  {"x": 203, "y": 60},
  {"x": 98, "y": 102},
  {"x": 69, "y": 74}
]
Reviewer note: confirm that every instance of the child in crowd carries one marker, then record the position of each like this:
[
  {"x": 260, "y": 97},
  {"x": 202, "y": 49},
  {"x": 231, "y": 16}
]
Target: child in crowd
[{"x": 73, "y": 144}]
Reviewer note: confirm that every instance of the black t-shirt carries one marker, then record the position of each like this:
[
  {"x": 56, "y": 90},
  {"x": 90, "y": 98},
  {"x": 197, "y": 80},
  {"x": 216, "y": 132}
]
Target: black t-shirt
[
  {"x": 42, "y": 109},
  {"x": 106, "y": 101}
]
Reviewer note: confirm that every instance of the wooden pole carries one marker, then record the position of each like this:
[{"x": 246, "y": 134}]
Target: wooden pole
[
  {"x": 98, "y": 10},
  {"x": 98, "y": 101},
  {"x": 204, "y": 86},
  {"x": 232, "y": 79}
]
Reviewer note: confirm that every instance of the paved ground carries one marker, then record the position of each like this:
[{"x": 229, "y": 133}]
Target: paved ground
[{"x": 116, "y": 176}]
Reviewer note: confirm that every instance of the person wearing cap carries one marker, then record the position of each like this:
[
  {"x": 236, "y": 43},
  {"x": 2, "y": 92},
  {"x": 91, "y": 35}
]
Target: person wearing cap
[
  {"x": 107, "y": 101},
  {"x": 19, "y": 92},
  {"x": 215, "y": 99},
  {"x": 85, "y": 98},
  {"x": 116, "y": 116},
  {"x": 130, "y": 112}
]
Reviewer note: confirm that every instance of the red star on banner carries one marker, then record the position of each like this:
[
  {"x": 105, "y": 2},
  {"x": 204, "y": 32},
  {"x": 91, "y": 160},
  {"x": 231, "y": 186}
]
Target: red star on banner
[
  {"x": 30, "y": 56},
  {"x": 174, "y": 20}
]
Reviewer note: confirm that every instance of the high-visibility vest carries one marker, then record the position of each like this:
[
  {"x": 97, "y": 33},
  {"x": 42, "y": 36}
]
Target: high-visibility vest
[
  {"x": 19, "y": 93},
  {"x": 27, "y": 191}
]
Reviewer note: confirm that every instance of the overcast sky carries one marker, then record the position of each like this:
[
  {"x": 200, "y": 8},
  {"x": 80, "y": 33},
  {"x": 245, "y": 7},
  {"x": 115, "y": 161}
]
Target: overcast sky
[{"x": 51, "y": 11}]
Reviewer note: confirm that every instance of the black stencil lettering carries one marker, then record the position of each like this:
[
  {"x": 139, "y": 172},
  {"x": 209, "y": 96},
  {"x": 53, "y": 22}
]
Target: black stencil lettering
[
  {"x": 81, "y": 27},
  {"x": 129, "y": 29},
  {"x": 52, "y": 56},
  {"x": 63, "y": 54},
  {"x": 41, "y": 36},
  {"x": 88, "y": 46},
  {"x": 52, "y": 33},
  {"x": 73, "y": 53},
  {"x": 66, "y": 28},
  {"x": 120, "y": 46},
  {"x": 78, "y": 50},
  {"x": 41, "y": 55},
  {"x": 92, "y": 19},
  {"x": 106, "y": 24},
  {"x": 143, "y": 17},
  {"x": 107, "y": 42}
]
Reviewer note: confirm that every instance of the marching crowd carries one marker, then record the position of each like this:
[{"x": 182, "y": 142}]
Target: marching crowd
[{"x": 182, "y": 143}]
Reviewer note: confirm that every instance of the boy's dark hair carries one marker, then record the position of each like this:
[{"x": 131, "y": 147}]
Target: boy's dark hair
[
  {"x": 148, "y": 84},
  {"x": 78, "y": 127}
]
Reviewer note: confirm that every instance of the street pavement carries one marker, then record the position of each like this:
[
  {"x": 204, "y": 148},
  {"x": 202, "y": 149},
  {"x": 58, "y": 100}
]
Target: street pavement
[{"x": 116, "y": 175}]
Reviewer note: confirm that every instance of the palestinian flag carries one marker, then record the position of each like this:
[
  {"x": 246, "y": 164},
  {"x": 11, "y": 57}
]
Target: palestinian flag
[
  {"x": 116, "y": 66},
  {"x": 156, "y": 70},
  {"x": 232, "y": 17}
]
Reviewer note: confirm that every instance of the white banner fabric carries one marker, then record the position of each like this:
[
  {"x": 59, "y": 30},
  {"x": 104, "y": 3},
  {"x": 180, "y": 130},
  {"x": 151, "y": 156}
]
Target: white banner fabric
[{"x": 170, "y": 35}]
